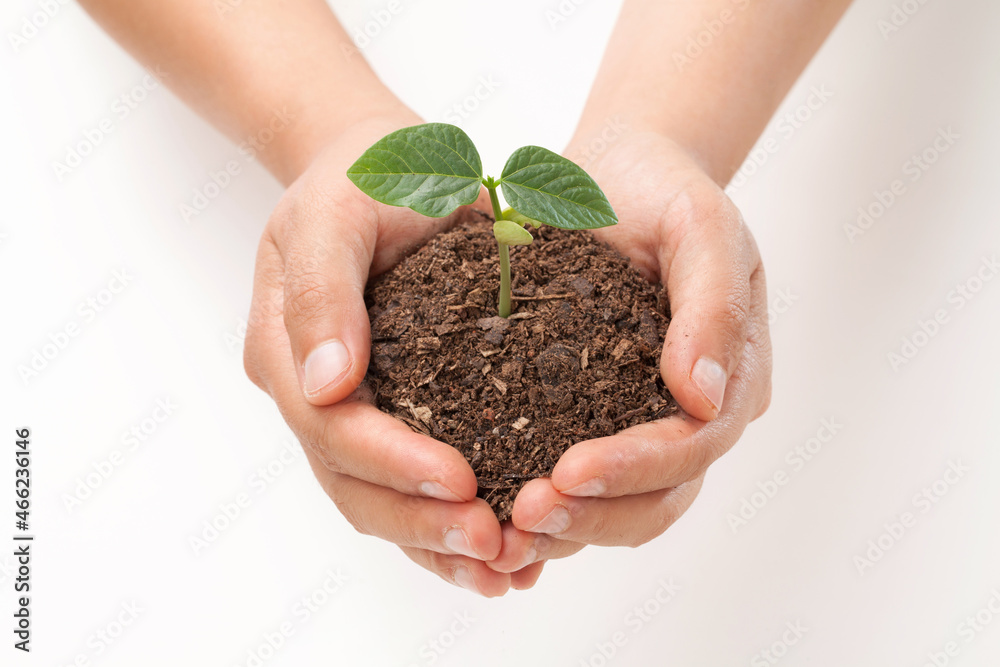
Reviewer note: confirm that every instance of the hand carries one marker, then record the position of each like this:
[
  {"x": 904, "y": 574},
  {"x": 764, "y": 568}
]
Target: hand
[
  {"x": 308, "y": 343},
  {"x": 678, "y": 227}
]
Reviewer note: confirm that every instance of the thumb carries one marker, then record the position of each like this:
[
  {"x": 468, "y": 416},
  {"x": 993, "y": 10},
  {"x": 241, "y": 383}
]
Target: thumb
[
  {"x": 324, "y": 308},
  {"x": 710, "y": 257}
]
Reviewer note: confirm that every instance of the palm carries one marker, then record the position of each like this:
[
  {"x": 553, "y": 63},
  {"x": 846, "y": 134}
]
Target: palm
[{"x": 679, "y": 228}]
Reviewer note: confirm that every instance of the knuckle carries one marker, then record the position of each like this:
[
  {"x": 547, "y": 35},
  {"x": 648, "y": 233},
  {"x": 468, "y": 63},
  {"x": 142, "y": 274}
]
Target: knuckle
[
  {"x": 335, "y": 231},
  {"x": 315, "y": 436},
  {"x": 452, "y": 469},
  {"x": 647, "y": 462},
  {"x": 442, "y": 565},
  {"x": 733, "y": 318},
  {"x": 760, "y": 344},
  {"x": 693, "y": 459},
  {"x": 636, "y": 541},
  {"x": 665, "y": 517},
  {"x": 345, "y": 498},
  {"x": 356, "y": 519},
  {"x": 642, "y": 532},
  {"x": 306, "y": 297},
  {"x": 322, "y": 444},
  {"x": 307, "y": 203},
  {"x": 254, "y": 362},
  {"x": 251, "y": 364},
  {"x": 750, "y": 243},
  {"x": 662, "y": 515},
  {"x": 737, "y": 302},
  {"x": 703, "y": 209},
  {"x": 283, "y": 215},
  {"x": 406, "y": 509},
  {"x": 405, "y": 528},
  {"x": 266, "y": 304},
  {"x": 599, "y": 528},
  {"x": 765, "y": 399}
]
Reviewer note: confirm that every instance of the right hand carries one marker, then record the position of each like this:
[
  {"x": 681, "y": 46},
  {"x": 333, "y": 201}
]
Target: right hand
[
  {"x": 681, "y": 230},
  {"x": 308, "y": 344}
]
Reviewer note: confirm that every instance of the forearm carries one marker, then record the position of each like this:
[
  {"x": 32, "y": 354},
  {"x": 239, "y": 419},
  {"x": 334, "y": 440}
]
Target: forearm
[
  {"x": 707, "y": 73},
  {"x": 264, "y": 57}
]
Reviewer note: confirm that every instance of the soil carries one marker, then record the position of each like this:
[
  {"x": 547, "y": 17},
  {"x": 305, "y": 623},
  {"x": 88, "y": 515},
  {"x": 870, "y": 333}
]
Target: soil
[{"x": 577, "y": 359}]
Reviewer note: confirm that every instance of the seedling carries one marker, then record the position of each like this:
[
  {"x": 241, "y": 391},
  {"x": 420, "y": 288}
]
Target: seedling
[{"x": 435, "y": 168}]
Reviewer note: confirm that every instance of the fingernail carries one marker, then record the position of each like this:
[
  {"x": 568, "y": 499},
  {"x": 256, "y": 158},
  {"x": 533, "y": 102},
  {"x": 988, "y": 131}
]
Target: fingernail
[
  {"x": 711, "y": 379},
  {"x": 463, "y": 577},
  {"x": 556, "y": 521},
  {"x": 593, "y": 487},
  {"x": 325, "y": 365},
  {"x": 439, "y": 491},
  {"x": 457, "y": 541}
]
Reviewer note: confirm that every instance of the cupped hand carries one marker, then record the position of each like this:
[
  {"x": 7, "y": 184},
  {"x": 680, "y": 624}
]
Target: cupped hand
[
  {"x": 308, "y": 344},
  {"x": 680, "y": 228}
]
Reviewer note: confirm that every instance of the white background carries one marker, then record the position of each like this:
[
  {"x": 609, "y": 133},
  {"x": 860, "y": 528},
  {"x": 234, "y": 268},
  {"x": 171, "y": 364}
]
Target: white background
[{"x": 170, "y": 335}]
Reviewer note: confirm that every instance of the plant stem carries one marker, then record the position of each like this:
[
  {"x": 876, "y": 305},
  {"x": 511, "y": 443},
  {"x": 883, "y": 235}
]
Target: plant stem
[
  {"x": 491, "y": 186},
  {"x": 503, "y": 308}
]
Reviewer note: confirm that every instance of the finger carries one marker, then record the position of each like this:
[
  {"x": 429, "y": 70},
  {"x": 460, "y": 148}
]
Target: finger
[
  {"x": 759, "y": 341},
  {"x": 468, "y": 573},
  {"x": 352, "y": 437},
  {"x": 626, "y": 521},
  {"x": 524, "y": 579},
  {"x": 357, "y": 439},
  {"x": 326, "y": 240},
  {"x": 520, "y": 549},
  {"x": 670, "y": 452},
  {"x": 648, "y": 457},
  {"x": 468, "y": 529},
  {"x": 332, "y": 239},
  {"x": 710, "y": 257}
]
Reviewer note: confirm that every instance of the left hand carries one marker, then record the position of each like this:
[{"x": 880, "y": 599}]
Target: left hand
[
  {"x": 678, "y": 227},
  {"x": 318, "y": 250}
]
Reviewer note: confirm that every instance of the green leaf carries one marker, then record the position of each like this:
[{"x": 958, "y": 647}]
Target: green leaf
[
  {"x": 511, "y": 214},
  {"x": 432, "y": 168},
  {"x": 547, "y": 187},
  {"x": 511, "y": 233}
]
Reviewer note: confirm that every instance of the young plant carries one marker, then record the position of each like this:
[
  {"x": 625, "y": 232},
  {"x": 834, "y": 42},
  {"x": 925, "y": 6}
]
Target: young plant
[{"x": 435, "y": 168}]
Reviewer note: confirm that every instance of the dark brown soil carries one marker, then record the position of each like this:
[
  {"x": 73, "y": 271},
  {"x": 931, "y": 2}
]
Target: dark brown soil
[{"x": 577, "y": 359}]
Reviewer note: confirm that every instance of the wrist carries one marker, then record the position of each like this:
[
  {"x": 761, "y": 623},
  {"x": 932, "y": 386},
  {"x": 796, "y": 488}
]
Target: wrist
[
  {"x": 712, "y": 98},
  {"x": 599, "y": 131},
  {"x": 312, "y": 128}
]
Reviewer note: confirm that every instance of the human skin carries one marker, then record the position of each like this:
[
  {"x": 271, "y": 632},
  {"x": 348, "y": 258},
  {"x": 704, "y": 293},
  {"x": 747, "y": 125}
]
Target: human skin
[
  {"x": 663, "y": 154},
  {"x": 687, "y": 129}
]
